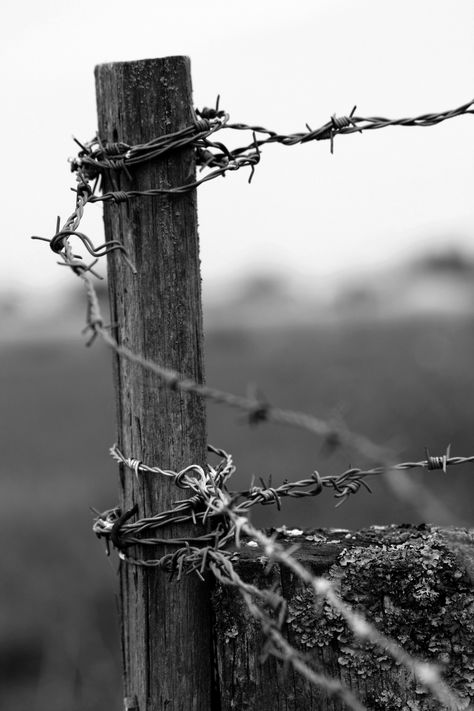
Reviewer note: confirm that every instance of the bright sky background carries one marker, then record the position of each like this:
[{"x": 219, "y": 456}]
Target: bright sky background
[{"x": 307, "y": 214}]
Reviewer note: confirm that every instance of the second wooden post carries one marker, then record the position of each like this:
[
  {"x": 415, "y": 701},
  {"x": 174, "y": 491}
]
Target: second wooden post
[{"x": 166, "y": 630}]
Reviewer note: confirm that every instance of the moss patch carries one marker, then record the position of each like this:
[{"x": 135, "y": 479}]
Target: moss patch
[{"x": 411, "y": 586}]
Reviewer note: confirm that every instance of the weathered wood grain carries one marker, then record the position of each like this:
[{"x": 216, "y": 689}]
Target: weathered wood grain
[
  {"x": 415, "y": 584},
  {"x": 166, "y": 631}
]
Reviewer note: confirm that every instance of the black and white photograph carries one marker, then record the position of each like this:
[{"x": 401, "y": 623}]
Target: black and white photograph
[{"x": 236, "y": 356}]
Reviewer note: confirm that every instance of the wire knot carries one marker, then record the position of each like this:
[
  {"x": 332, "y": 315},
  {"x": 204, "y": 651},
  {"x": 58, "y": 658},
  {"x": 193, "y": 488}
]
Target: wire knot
[
  {"x": 116, "y": 149},
  {"x": 269, "y": 495},
  {"x": 116, "y": 163},
  {"x": 202, "y": 124},
  {"x": 84, "y": 188},
  {"x": 318, "y": 483},
  {"x": 183, "y": 478},
  {"x": 134, "y": 465},
  {"x": 437, "y": 462},
  {"x": 339, "y": 122},
  {"x": 259, "y": 413},
  {"x": 119, "y": 196},
  {"x": 211, "y": 113},
  {"x": 115, "y": 530},
  {"x": 57, "y": 242}
]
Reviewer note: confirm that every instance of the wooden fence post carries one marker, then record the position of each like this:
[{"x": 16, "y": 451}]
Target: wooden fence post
[
  {"x": 166, "y": 630},
  {"x": 415, "y": 583}
]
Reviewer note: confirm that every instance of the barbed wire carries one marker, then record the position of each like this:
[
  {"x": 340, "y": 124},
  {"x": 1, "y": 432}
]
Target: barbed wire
[
  {"x": 211, "y": 499},
  {"x": 343, "y": 485},
  {"x": 345, "y": 125},
  {"x": 97, "y": 157},
  {"x": 427, "y": 674},
  {"x": 258, "y": 410},
  {"x": 113, "y": 525},
  {"x": 59, "y": 243},
  {"x": 276, "y": 644}
]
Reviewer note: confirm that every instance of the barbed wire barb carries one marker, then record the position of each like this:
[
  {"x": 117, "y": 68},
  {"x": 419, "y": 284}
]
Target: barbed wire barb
[
  {"x": 210, "y": 500},
  {"x": 195, "y": 555}
]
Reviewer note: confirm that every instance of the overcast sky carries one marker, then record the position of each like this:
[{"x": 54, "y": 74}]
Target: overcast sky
[{"x": 307, "y": 214}]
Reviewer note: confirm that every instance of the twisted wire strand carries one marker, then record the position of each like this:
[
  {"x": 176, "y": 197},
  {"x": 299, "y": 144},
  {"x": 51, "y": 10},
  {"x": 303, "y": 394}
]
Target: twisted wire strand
[
  {"x": 212, "y": 484},
  {"x": 257, "y": 410},
  {"x": 197, "y": 560},
  {"x": 210, "y": 497},
  {"x": 279, "y": 647},
  {"x": 427, "y": 674},
  {"x": 236, "y": 163},
  {"x": 272, "y": 624},
  {"x": 97, "y": 157},
  {"x": 192, "y": 558},
  {"x": 210, "y": 121},
  {"x": 346, "y": 125},
  {"x": 260, "y": 411},
  {"x": 60, "y": 244}
]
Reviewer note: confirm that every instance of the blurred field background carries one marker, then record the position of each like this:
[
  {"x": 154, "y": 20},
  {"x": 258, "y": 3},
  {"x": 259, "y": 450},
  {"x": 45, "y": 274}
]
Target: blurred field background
[
  {"x": 391, "y": 357},
  {"x": 389, "y": 354}
]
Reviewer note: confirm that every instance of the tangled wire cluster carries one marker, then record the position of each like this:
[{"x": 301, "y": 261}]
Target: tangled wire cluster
[
  {"x": 215, "y": 553},
  {"x": 213, "y": 501},
  {"x": 210, "y": 499},
  {"x": 98, "y": 157}
]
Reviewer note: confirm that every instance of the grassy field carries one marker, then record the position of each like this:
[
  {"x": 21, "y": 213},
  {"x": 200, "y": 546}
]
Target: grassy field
[{"x": 406, "y": 383}]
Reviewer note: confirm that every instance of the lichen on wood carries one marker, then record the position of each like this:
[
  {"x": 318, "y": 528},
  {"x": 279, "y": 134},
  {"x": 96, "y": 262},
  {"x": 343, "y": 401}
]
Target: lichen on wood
[{"x": 411, "y": 582}]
